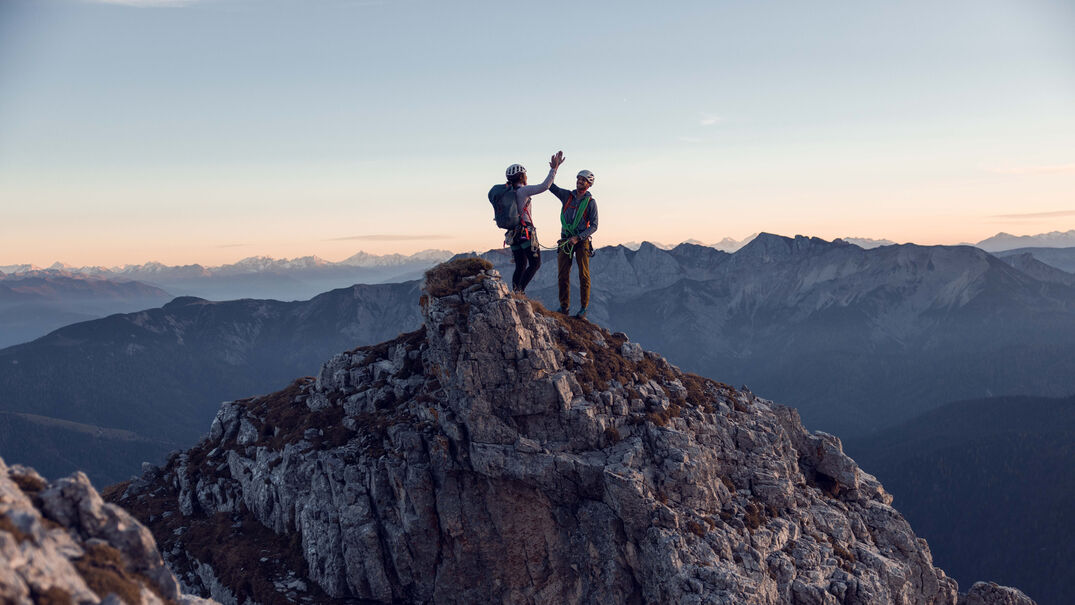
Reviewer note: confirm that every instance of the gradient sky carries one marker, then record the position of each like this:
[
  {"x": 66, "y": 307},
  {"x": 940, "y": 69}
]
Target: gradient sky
[{"x": 208, "y": 131}]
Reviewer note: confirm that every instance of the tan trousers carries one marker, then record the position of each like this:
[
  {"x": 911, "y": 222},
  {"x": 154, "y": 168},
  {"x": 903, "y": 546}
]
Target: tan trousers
[{"x": 563, "y": 268}]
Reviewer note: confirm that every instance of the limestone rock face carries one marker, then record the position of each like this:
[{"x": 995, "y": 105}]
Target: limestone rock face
[
  {"x": 506, "y": 454},
  {"x": 988, "y": 593},
  {"x": 61, "y": 543}
]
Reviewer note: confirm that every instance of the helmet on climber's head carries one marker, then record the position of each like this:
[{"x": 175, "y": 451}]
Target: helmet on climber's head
[
  {"x": 584, "y": 180},
  {"x": 516, "y": 174}
]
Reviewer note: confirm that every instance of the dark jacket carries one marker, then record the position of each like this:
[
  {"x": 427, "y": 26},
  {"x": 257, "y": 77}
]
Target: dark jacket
[{"x": 570, "y": 207}]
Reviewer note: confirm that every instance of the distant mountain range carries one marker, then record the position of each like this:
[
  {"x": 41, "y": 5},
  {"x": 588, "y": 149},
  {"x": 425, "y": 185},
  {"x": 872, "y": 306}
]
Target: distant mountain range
[
  {"x": 36, "y": 302},
  {"x": 253, "y": 264},
  {"x": 1006, "y": 241},
  {"x": 727, "y": 244},
  {"x": 158, "y": 376},
  {"x": 857, "y": 339},
  {"x": 263, "y": 277},
  {"x": 730, "y": 244},
  {"x": 990, "y": 484},
  {"x": 81, "y": 293},
  {"x": 1059, "y": 258},
  {"x": 869, "y": 344}
]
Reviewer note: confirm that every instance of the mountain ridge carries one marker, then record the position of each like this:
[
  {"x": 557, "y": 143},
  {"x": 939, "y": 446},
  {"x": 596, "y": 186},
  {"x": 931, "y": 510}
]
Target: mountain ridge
[
  {"x": 1058, "y": 258},
  {"x": 250, "y": 263},
  {"x": 1005, "y": 241},
  {"x": 974, "y": 474},
  {"x": 162, "y": 372},
  {"x": 786, "y": 327},
  {"x": 503, "y": 453},
  {"x": 37, "y": 302},
  {"x": 855, "y": 339}
]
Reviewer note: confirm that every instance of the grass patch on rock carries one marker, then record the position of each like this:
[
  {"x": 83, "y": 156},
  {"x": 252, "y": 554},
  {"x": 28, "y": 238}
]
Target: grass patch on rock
[
  {"x": 105, "y": 572},
  {"x": 604, "y": 363},
  {"x": 450, "y": 277}
]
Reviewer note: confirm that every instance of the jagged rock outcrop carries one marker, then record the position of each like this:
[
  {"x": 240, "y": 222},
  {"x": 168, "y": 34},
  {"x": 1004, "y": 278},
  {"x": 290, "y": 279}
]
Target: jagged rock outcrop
[
  {"x": 61, "y": 543},
  {"x": 502, "y": 453},
  {"x": 988, "y": 593}
]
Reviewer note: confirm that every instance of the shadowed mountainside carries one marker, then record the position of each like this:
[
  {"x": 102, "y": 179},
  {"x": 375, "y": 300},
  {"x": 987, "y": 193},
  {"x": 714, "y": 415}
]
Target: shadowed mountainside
[
  {"x": 37, "y": 302},
  {"x": 1059, "y": 258},
  {"x": 990, "y": 484},
  {"x": 855, "y": 339},
  {"x": 161, "y": 373}
]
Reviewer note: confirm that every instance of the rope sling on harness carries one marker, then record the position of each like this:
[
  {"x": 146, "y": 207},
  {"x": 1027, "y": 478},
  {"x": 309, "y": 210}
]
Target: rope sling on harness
[{"x": 573, "y": 229}]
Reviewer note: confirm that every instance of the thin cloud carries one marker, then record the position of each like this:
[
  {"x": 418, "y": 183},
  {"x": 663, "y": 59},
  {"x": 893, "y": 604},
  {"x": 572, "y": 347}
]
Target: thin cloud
[
  {"x": 1055, "y": 214},
  {"x": 710, "y": 120},
  {"x": 1041, "y": 169},
  {"x": 388, "y": 237}
]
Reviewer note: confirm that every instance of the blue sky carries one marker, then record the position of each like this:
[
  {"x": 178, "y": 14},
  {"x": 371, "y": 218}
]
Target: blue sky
[{"x": 207, "y": 131}]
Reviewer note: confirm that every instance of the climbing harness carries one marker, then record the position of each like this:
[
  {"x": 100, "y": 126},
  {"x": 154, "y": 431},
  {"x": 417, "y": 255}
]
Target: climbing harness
[
  {"x": 573, "y": 228},
  {"x": 565, "y": 246}
]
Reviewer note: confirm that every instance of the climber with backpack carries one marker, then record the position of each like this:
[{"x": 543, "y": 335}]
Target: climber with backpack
[
  {"x": 578, "y": 221},
  {"x": 511, "y": 208}
]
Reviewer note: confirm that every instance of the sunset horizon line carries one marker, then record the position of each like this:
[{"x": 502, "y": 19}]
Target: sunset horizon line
[{"x": 453, "y": 250}]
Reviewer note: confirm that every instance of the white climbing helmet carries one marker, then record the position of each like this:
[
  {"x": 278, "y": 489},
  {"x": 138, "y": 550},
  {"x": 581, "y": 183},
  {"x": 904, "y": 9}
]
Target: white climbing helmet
[
  {"x": 586, "y": 174},
  {"x": 515, "y": 169}
]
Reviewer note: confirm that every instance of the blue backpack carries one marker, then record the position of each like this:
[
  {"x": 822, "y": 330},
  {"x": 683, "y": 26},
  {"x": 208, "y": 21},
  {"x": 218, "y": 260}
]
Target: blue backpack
[{"x": 505, "y": 206}]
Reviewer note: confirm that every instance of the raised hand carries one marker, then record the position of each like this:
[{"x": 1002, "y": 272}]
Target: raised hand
[{"x": 557, "y": 159}]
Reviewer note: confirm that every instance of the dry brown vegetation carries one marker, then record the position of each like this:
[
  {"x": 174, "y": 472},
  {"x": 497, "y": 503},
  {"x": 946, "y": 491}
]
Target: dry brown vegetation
[
  {"x": 113, "y": 492},
  {"x": 754, "y": 515},
  {"x": 255, "y": 555},
  {"x": 53, "y": 596},
  {"x": 847, "y": 558},
  {"x": 448, "y": 278},
  {"x": 661, "y": 417},
  {"x": 9, "y": 526},
  {"x": 605, "y": 364},
  {"x": 282, "y": 418},
  {"x": 612, "y": 436},
  {"x": 105, "y": 572},
  {"x": 410, "y": 340},
  {"x": 696, "y": 528},
  {"x": 29, "y": 484},
  {"x": 728, "y": 483}
]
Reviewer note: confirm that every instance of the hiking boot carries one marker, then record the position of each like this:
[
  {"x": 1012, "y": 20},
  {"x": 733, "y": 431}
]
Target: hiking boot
[
  {"x": 564, "y": 311},
  {"x": 581, "y": 314}
]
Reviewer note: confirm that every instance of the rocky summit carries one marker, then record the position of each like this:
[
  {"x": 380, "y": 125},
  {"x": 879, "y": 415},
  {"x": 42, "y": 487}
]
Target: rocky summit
[
  {"x": 502, "y": 453},
  {"x": 61, "y": 544}
]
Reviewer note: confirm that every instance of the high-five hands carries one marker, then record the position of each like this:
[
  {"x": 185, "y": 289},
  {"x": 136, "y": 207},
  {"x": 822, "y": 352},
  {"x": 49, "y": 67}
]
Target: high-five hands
[{"x": 557, "y": 159}]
